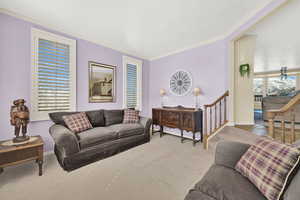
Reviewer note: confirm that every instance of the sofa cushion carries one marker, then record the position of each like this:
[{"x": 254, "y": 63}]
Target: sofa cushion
[
  {"x": 269, "y": 164},
  {"x": 96, "y": 136},
  {"x": 77, "y": 122},
  {"x": 127, "y": 130},
  {"x": 131, "y": 116},
  {"x": 113, "y": 117},
  {"x": 96, "y": 117},
  {"x": 57, "y": 117},
  {"x": 225, "y": 183}
]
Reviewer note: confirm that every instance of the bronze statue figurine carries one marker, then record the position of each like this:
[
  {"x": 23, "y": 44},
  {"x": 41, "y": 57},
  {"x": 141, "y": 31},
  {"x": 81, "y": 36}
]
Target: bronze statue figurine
[{"x": 19, "y": 114}]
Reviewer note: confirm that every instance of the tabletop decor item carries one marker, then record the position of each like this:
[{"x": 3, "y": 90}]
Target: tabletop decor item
[
  {"x": 180, "y": 83},
  {"x": 101, "y": 82},
  {"x": 19, "y": 118},
  {"x": 245, "y": 69},
  {"x": 162, "y": 93},
  {"x": 196, "y": 93}
]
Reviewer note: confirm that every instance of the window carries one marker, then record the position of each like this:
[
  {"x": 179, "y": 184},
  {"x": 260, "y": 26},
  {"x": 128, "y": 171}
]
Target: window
[
  {"x": 132, "y": 83},
  {"x": 53, "y": 74},
  {"x": 258, "y": 86},
  {"x": 278, "y": 87}
]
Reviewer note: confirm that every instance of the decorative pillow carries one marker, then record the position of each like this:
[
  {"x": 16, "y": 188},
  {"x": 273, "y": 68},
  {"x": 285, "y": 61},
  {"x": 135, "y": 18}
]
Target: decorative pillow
[
  {"x": 77, "y": 122},
  {"x": 131, "y": 116},
  {"x": 268, "y": 164}
]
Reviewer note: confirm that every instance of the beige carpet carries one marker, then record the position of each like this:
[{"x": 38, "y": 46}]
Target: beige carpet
[{"x": 163, "y": 169}]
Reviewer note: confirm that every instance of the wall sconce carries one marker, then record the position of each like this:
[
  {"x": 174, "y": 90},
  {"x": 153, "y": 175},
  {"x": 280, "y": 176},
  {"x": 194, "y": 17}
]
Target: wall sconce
[
  {"x": 162, "y": 93},
  {"x": 196, "y": 93}
]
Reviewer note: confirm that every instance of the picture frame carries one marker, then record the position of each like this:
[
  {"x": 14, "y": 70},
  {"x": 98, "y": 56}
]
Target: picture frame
[{"x": 102, "y": 83}]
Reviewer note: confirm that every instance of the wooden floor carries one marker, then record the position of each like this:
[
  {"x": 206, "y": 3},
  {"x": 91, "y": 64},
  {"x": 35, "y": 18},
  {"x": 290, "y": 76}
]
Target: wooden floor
[{"x": 260, "y": 129}]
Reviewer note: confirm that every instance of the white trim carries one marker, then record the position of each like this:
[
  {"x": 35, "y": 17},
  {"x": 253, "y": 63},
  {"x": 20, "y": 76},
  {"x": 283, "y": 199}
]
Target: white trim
[
  {"x": 228, "y": 33},
  {"x": 71, "y": 34},
  {"x": 35, "y": 35},
  {"x": 245, "y": 124},
  {"x": 232, "y": 56},
  {"x": 202, "y": 43},
  {"x": 139, "y": 64}
]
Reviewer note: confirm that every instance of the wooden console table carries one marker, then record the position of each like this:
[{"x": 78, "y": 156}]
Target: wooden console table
[
  {"x": 13, "y": 155},
  {"x": 187, "y": 119}
]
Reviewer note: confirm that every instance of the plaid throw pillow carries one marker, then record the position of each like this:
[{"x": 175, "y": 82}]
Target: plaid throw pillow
[
  {"x": 131, "y": 116},
  {"x": 77, "y": 122},
  {"x": 268, "y": 165}
]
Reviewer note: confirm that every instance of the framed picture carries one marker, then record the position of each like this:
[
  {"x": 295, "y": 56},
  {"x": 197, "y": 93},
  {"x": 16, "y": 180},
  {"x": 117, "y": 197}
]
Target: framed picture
[{"x": 102, "y": 83}]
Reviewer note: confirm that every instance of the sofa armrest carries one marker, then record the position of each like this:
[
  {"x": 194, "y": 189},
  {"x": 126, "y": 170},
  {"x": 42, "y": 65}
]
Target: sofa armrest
[
  {"x": 64, "y": 139},
  {"x": 146, "y": 122},
  {"x": 229, "y": 153}
]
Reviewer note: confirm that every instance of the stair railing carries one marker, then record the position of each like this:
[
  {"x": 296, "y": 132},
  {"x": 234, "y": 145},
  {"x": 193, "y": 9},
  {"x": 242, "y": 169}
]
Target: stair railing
[
  {"x": 215, "y": 117},
  {"x": 286, "y": 114}
]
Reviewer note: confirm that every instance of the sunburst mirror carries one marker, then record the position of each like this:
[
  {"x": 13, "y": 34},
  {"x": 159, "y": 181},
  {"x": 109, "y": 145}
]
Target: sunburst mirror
[{"x": 180, "y": 83}]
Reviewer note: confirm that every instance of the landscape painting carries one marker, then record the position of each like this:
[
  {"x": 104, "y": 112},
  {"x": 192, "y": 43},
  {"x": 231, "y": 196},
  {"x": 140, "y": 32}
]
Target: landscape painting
[{"x": 101, "y": 83}]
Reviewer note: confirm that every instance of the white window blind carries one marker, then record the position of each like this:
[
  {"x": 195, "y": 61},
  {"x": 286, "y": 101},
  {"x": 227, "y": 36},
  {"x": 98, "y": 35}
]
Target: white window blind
[
  {"x": 132, "y": 83},
  {"x": 53, "y": 74},
  {"x": 131, "y": 86}
]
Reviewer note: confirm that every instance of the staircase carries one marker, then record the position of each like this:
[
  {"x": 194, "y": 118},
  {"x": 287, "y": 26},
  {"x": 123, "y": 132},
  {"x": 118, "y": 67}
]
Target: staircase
[
  {"x": 286, "y": 116},
  {"x": 215, "y": 118}
]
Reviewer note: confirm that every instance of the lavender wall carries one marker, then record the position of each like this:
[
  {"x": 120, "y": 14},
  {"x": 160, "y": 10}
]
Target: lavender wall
[
  {"x": 15, "y": 55},
  {"x": 207, "y": 65}
]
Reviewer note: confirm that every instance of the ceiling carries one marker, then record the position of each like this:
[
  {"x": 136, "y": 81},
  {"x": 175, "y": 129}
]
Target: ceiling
[
  {"x": 278, "y": 39},
  {"x": 144, "y": 28}
]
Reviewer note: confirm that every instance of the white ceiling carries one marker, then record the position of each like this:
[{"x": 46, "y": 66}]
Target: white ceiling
[
  {"x": 145, "y": 28},
  {"x": 278, "y": 39}
]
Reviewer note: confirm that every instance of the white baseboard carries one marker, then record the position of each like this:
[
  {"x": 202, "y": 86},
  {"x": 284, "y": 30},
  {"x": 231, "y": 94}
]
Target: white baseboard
[
  {"x": 47, "y": 153},
  {"x": 230, "y": 124},
  {"x": 246, "y": 123}
]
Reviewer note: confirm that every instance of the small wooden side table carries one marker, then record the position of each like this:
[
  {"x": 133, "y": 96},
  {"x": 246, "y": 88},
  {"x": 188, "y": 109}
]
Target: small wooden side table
[{"x": 17, "y": 154}]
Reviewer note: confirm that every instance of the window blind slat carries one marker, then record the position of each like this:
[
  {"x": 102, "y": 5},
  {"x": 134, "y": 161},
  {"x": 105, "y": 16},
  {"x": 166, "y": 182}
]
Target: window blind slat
[
  {"x": 131, "y": 86},
  {"x": 53, "y": 76}
]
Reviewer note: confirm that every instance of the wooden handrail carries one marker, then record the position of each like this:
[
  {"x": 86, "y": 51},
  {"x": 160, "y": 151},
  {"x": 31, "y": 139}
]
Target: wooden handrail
[
  {"x": 218, "y": 100},
  {"x": 210, "y": 110},
  {"x": 292, "y": 103},
  {"x": 287, "y": 113}
]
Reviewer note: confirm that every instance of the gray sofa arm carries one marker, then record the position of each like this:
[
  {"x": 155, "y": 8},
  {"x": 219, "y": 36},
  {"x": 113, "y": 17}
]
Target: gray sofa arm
[
  {"x": 229, "y": 153},
  {"x": 146, "y": 122},
  {"x": 64, "y": 139}
]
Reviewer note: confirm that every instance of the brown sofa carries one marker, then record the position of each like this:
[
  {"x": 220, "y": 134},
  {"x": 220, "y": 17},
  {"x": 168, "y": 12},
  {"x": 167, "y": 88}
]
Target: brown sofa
[{"x": 108, "y": 136}]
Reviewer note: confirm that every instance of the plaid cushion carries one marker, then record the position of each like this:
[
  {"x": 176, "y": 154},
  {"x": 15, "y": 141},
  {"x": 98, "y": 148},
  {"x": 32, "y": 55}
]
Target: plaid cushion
[
  {"x": 131, "y": 116},
  {"x": 77, "y": 122},
  {"x": 268, "y": 165}
]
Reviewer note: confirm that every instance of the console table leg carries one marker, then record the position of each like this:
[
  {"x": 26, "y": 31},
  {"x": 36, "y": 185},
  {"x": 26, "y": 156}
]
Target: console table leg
[
  {"x": 201, "y": 133},
  {"x": 194, "y": 141},
  {"x": 40, "y": 163},
  {"x": 1, "y": 170},
  {"x": 152, "y": 129},
  {"x": 161, "y": 131},
  {"x": 181, "y": 136}
]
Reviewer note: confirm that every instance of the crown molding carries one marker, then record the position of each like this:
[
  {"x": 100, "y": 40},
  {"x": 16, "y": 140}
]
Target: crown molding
[
  {"x": 232, "y": 30},
  {"x": 202, "y": 43},
  {"x": 70, "y": 34}
]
